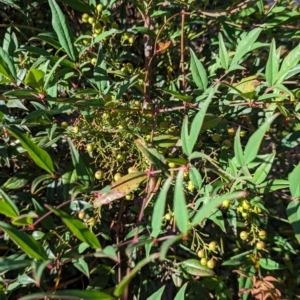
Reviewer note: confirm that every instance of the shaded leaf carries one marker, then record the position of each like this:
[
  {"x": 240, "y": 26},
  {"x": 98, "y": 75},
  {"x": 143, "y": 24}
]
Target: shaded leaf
[
  {"x": 180, "y": 209},
  {"x": 25, "y": 241},
  {"x": 78, "y": 228},
  {"x": 39, "y": 155},
  {"x": 293, "y": 213},
  {"x": 294, "y": 180},
  {"x": 159, "y": 208}
]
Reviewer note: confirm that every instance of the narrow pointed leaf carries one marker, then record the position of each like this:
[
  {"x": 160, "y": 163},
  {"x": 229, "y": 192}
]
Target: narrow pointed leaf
[
  {"x": 181, "y": 293},
  {"x": 293, "y": 214},
  {"x": 238, "y": 151},
  {"x": 158, "y": 294},
  {"x": 152, "y": 154},
  {"x": 25, "y": 241},
  {"x": 289, "y": 62},
  {"x": 7, "y": 264},
  {"x": 180, "y": 209},
  {"x": 194, "y": 268},
  {"x": 294, "y": 179},
  {"x": 198, "y": 121},
  {"x": 207, "y": 208},
  {"x": 39, "y": 155},
  {"x": 100, "y": 73},
  {"x": 272, "y": 65},
  {"x": 159, "y": 208},
  {"x": 185, "y": 137},
  {"x": 263, "y": 170},
  {"x": 62, "y": 30},
  {"x": 35, "y": 79},
  {"x": 78, "y": 228},
  {"x": 198, "y": 72},
  {"x": 245, "y": 45},
  {"x": 223, "y": 53},
  {"x": 81, "y": 169},
  {"x": 127, "y": 279},
  {"x": 10, "y": 207},
  {"x": 7, "y": 65},
  {"x": 120, "y": 189},
  {"x": 252, "y": 147}
]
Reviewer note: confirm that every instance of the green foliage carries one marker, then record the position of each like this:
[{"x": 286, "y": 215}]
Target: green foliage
[{"x": 149, "y": 150}]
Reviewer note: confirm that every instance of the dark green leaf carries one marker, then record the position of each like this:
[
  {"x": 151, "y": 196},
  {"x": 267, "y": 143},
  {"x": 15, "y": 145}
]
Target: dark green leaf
[
  {"x": 39, "y": 155},
  {"x": 25, "y": 241},
  {"x": 78, "y": 229},
  {"x": 198, "y": 72}
]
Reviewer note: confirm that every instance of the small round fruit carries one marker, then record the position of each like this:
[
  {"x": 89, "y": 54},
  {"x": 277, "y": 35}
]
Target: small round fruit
[
  {"x": 132, "y": 170},
  {"x": 137, "y": 104},
  {"x": 85, "y": 18},
  {"x": 199, "y": 144},
  {"x": 243, "y": 133},
  {"x": 190, "y": 187},
  {"x": 92, "y": 20},
  {"x": 89, "y": 147},
  {"x": 91, "y": 222},
  {"x": 120, "y": 157},
  {"x": 99, "y": 175},
  {"x": 227, "y": 144},
  {"x": 257, "y": 209},
  {"x": 211, "y": 263},
  {"x": 93, "y": 60},
  {"x": 246, "y": 205},
  {"x": 64, "y": 124},
  {"x": 212, "y": 246},
  {"x": 201, "y": 253},
  {"x": 99, "y": 7},
  {"x": 231, "y": 131},
  {"x": 215, "y": 137},
  {"x": 244, "y": 235},
  {"x": 226, "y": 203},
  {"x": 117, "y": 176},
  {"x": 245, "y": 215},
  {"x": 129, "y": 197},
  {"x": 81, "y": 214},
  {"x": 131, "y": 40},
  {"x": 130, "y": 67},
  {"x": 168, "y": 216},
  {"x": 262, "y": 234},
  {"x": 203, "y": 261},
  {"x": 75, "y": 129},
  {"x": 171, "y": 165},
  {"x": 260, "y": 245}
]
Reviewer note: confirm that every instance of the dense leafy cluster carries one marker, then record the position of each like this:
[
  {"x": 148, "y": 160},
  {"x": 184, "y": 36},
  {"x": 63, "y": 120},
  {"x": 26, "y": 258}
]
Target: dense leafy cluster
[{"x": 149, "y": 150}]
